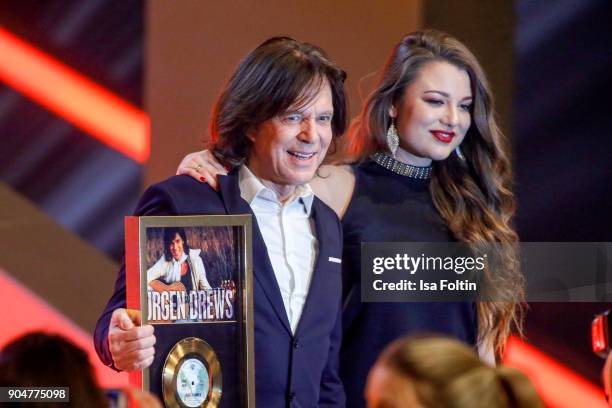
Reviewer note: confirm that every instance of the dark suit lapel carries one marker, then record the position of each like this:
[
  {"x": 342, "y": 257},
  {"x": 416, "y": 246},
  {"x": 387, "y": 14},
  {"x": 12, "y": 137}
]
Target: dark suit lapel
[
  {"x": 262, "y": 268},
  {"x": 317, "y": 283}
]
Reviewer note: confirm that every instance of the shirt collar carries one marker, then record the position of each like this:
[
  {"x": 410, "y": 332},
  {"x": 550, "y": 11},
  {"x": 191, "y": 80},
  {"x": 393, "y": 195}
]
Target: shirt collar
[
  {"x": 182, "y": 259},
  {"x": 251, "y": 188}
]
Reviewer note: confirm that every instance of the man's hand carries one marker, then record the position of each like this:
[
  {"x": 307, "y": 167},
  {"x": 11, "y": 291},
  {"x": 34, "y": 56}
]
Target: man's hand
[{"x": 130, "y": 344}]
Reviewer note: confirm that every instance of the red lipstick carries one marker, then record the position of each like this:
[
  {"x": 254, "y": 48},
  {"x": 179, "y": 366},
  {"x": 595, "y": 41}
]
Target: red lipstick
[{"x": 443, "y": 135}]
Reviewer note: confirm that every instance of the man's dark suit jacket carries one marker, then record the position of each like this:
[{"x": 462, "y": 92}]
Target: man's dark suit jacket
[{"x": 298, "y": 370}]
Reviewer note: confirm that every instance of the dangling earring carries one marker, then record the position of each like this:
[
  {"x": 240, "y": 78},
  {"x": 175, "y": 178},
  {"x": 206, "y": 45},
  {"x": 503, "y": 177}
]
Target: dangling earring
[
  {"x": 392, "y": 138},
  {"x": 459, "y": 153}
]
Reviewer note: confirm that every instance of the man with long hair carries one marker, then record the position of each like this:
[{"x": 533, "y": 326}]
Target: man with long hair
[
  {"x": 179, "y": 263},
  {"x": 273, "y": 122}
]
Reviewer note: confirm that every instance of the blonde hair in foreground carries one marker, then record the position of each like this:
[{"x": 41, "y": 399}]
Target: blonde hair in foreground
[
  {"x": 473, "y": 196},
  {"x": 445, "y": 373}
]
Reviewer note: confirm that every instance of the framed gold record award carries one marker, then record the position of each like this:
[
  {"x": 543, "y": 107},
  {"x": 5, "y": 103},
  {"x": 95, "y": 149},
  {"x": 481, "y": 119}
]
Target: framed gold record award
[{"x": 191, "y": 278}]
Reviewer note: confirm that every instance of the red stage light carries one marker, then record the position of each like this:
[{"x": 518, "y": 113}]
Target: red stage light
[
  {"x": 37, "y": 315},
  {"x": 74, "y": 97},
  {"x": 557, "y": 385},
  {"x": 599, "y": 334}
]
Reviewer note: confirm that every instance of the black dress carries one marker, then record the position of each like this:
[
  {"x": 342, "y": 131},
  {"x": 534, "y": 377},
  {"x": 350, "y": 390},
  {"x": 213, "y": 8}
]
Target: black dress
[{"x": 388, "y": 207}]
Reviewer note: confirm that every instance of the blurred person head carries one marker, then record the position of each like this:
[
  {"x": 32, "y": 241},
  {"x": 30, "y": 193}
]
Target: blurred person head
[
  {"x": 436, "y": 93},
  {"x": 45, "y": 360},
  {"x": 175, "y": 243},
  {"x": 280, "y": 111},
  {"x": 439, "y": 372}
]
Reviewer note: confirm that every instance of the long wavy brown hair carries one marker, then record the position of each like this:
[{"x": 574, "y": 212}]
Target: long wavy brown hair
[{"x": 473, "y": 196}]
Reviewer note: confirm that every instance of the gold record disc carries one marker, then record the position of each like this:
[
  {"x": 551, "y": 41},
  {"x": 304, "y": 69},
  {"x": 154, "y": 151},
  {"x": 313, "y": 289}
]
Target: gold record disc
[{"x": 191, "y": 376}]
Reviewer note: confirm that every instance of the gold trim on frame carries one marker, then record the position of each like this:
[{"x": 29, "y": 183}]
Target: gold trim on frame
[{"x": 246, "y": 277}]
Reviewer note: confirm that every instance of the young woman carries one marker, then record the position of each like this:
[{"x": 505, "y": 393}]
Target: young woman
[{"x": 430, "y": 166}]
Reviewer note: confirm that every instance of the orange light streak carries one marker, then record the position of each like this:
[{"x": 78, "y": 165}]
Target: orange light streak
[
  {"x": 22, "y": 311},
  {"x": 557, "y": 385},
  {"x": 77, "y": 99}
]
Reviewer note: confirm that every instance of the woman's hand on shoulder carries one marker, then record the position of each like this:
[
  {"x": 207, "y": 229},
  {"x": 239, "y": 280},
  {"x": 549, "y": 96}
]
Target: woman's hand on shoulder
[{"x": 202, "y": 166}]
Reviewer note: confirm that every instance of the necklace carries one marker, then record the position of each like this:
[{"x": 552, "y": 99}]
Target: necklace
[{"x": 400, "y": 168}]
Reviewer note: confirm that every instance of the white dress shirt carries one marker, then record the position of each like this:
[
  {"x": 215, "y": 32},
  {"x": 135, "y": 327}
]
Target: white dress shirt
[{"x": 289, "y": 235}]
